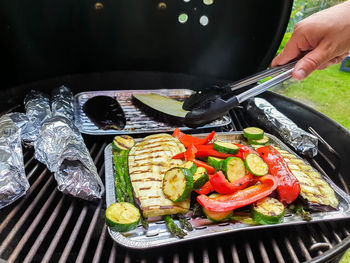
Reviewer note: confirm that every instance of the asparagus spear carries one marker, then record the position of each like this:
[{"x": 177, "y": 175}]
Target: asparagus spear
[
  {"x": 184, "y": 223},
  {"x": 173, "y": 228},
  {"x": 124, "y": 157},
  {"x": 120, "y": 185}
]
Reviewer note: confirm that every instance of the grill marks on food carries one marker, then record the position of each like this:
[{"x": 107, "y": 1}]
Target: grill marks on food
[
  {"x": 148, "y": 162},
  {"x": 313, "y": 187}
]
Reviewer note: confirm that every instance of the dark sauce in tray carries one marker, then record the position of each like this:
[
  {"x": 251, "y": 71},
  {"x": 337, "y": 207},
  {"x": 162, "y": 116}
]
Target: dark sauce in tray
[{"x": 105, "y": 112}]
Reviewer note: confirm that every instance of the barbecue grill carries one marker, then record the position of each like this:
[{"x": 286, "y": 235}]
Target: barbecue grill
[{"x": 47, "y": 226}]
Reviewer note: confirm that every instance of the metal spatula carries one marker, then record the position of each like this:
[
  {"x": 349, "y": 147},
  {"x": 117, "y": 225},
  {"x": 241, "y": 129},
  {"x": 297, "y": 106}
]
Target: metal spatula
[{"x": 218, "y": 107}]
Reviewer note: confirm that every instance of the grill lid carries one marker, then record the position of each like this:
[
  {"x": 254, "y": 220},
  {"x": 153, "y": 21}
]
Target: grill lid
[{"x": 218, "y": 38}]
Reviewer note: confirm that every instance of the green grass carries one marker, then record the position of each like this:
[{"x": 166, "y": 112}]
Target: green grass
[{"x": 327, "y": 91}]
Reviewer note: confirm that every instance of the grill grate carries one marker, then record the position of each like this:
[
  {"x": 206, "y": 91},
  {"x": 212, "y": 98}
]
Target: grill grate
[{"x": 47, "y": 226}]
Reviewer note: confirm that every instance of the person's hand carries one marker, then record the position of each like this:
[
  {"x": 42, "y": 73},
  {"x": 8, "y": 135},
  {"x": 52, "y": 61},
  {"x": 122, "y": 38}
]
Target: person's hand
[{"x": 324, "y": 36}]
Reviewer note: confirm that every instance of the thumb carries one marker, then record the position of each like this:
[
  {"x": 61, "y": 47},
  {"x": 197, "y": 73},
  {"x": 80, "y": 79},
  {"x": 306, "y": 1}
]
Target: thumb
[{"x": 310, "y": 62}]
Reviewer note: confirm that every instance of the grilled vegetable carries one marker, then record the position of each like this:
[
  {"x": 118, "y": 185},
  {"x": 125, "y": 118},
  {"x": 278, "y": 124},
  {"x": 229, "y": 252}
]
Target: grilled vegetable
[
  {"x": 255, "y": 165},
  {"x": 207, "y": 167},
  {"x": 177, "y": 184},
  {"x": 225, "y": 147},
  {"x": 216, "y": 216},
  {"x": 233, "y": 168},
  {"x": 315, "y": 192},
  {"x": 160, "y": 107},
  {"x": 122, "y": 217},
  {"x": 253, "y": 133},
  {"x": 122, "y": 180},
  {"x": 262, "y": 141},
  {"x": 190, "y": 166},
  {"x": 241, "y": 198},
  {"x": 203, "y": 151},
  {"x": 215, "y": 162},
  {"x": 200, "y": 177},
  {"x": 184, "y": 223},
  {"x": 173, "y": 228},
  {"x": 288, "y": 187},
  {"x": 105, "y": 112},
  {"x": 123, "y": 143},
  {"x": 300, "y": 211},
  {"x": 149, "y": 159},
  {"x": 222, "y": 186},
  {"x": 187, "y": 140},
  {"x": 268, "y": 211}
]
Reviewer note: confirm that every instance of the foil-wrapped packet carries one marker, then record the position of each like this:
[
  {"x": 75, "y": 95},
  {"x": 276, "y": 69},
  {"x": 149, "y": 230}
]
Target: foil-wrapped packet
[
  {"x": 13, "y": 181},
  {"x": 61, "y": 148},
  {"x": 62, "y": 103},
  {"x": 268, "y": 116},
  {"x": 37, "y": 107}
]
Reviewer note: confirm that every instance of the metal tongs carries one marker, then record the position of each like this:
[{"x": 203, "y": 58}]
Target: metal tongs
[{"x": 213, "y": 108}]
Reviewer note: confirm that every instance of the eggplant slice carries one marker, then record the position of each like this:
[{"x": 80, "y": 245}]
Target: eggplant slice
[
  {"x": 105, "y": 112},
  {"x": 161, "y": 108}
]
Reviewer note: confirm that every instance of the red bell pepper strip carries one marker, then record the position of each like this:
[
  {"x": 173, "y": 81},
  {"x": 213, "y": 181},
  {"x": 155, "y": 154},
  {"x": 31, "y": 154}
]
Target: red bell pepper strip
[
  {"x": 223, "y": 186},
  {"x": 187, "y": 140},
  {"x": 241, "y": 198},
  {"x": 205, "y": 189},
  {"x": 204, "y": 151},
  {"x": 245, "y": 150},
  {"x": 210, "y": 169},
  {"x": 190, "y": 153},
  {"x": 288, "y": 186}
]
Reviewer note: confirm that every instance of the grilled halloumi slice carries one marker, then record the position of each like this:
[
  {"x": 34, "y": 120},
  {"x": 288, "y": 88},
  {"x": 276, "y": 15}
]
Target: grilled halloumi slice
[
  {"x": 148, "y": 161},
  {"x": 313, "y": 188}
]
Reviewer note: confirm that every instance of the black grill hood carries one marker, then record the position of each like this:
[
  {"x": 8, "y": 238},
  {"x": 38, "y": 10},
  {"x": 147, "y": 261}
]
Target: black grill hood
[{"x": 44, "y": 39}]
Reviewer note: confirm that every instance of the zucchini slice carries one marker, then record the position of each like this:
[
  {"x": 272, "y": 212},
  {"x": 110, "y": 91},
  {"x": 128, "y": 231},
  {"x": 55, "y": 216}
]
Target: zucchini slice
[
  {"x": 215, "y": 162},
  {"x": 190, "y": 166},
  {"x": 268, "y": 211},
  {"x": 233, "y": 168},
  {"x": 225, "y": 147},
  {"x": 262, "y": 141},
  {"x": 123, "y": 143},
  {"x": 200, "y": 177},
  {"x": 177, "y": 184},
  {"x": 217, "y": 216},
  {"x": 253, "y": 133},
  {"x": 255, "y": 165},
  {"x": 122, "y": 217}
]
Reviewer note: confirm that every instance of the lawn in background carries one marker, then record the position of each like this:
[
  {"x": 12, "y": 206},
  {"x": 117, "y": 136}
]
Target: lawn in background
[{"x": 327, "y": 91}]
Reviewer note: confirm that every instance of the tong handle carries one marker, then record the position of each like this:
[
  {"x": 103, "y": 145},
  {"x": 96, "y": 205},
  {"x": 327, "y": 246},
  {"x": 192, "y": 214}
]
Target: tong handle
[
  {"x": 264, "y": 86},
  {"x": 259, "y": 76}
]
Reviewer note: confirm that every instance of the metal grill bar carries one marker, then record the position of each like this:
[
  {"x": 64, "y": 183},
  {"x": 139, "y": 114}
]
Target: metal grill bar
[
  {"x": 44, "y": 232},
  {"x": 89, "y": 233},
  {"x": 25, "y": 215},
  {"x": 263, "y": 252},
  {"x": 99, "y": 248},
  {"x": 58, "y": 234},
  {"x": 32, "y": 227},
  {"x": 277, "y": 251}
]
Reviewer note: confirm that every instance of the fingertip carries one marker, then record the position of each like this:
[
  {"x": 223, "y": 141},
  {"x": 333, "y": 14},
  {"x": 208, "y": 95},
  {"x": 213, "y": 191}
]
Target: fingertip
[{"x": 299, "y": 74}]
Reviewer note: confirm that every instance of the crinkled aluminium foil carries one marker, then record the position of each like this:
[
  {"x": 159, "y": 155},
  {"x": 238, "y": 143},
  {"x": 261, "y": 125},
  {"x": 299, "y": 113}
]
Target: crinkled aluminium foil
[
  {"x": 268, "y": 116},
  {"x": 61, "y": 148},
  {"x": 62, "y": 102},
  {"x": 13, "y": 181},
  {"x": 37, "y": 107}
]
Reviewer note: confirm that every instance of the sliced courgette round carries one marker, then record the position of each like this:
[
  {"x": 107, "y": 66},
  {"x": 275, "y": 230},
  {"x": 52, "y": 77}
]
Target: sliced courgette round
[
  {"x": 255, "y": 165},
  {"x": 268, "y": 211},
  {"x": 177, "y": 184},
  {"x": 216, "y": 216},
  {"x": 200, "y": 177},
  {"x": 225, "y": 147},
  {"x": 233, "y": 168},
  {"x": 190, "y": 166},
  {"x": 123, "y": 143},
  {"x": 215, "y": 162},
  {"x": 262, "y": 141},
  {"x": 253, "y": 133},
  {"x": 122, "y": 217}
]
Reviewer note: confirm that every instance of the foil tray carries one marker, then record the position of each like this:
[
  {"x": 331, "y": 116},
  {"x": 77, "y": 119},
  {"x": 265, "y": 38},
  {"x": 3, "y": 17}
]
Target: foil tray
[
  {"x": 158, "y": 235},
  {"x": 136, "y": 121}
]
